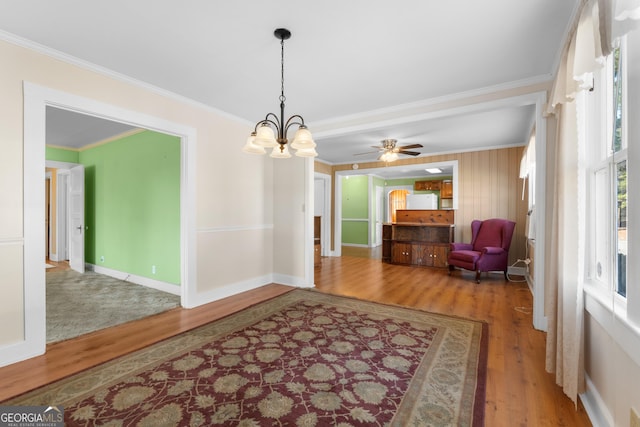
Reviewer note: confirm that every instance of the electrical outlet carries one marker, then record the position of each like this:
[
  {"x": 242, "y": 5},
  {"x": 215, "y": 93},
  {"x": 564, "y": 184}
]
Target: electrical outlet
[
  {"x": 153, "y": 269},
  {"x": 102, "y": 258},
  {"x": 634, "y": 419}
]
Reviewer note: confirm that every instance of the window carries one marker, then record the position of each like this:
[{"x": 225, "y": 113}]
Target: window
[
  {"x": 397, "y": 200},
  {"x": 605, "y": 110}
]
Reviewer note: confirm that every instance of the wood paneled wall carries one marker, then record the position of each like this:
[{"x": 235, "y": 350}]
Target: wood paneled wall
[{"x": 489, "y": 186}]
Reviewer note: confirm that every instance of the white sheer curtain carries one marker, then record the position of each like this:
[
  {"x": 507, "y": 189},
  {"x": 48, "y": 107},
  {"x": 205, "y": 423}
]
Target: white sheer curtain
[{"x": 600, "y": 23}]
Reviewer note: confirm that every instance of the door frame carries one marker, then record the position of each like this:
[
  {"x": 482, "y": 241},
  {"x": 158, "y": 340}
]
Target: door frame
[
  {"x": 325, "y": 225},
  {"x": 36, "y": 99},
  {"x": 62, "y": 172},
  {"x": 379, "y": 206}
]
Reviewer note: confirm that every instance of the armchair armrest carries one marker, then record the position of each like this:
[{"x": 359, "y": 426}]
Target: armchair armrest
[
  {"x": 492, "y": 250},
  {"x": 461, "y": 246}
]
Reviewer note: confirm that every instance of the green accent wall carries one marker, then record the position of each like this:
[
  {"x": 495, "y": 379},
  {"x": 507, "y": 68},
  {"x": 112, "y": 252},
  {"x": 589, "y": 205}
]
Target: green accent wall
[
  {"x": 355, "y": 232},
  {"x": 61, "y": 155},
  {"x": 355, "y": 206},
  {"x": 132, "y": 205}
]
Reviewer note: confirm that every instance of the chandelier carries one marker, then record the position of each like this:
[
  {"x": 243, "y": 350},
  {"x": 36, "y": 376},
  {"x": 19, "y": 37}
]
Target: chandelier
[{"x": 263, "y": 135}]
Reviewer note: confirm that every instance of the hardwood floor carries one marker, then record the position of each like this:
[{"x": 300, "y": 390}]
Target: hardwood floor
[
  {"x": 56, "y": 265},
  {"x": 519, "y": 391}
]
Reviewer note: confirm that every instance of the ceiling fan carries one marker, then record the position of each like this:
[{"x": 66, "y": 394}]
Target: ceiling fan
[{"x": 389, "y": 150}]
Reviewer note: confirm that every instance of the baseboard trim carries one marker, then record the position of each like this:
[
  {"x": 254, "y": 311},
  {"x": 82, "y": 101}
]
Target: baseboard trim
[
  {"x": 595, "y": 407},
  {"x": 138, "y": 280}
]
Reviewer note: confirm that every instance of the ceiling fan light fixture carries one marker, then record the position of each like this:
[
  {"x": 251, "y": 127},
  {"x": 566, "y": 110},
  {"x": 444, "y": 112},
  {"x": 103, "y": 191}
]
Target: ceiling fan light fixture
[
  {"x": 389, "y": 151},
  {"x": 389, "y": 157}
]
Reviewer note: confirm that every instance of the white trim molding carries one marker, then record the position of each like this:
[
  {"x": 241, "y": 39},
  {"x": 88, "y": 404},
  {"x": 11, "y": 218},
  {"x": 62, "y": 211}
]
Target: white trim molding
[
  {"x": 595, "y": 407},
  {"x": 138, "y": 280},
  {"x": 36, "y": 99}
]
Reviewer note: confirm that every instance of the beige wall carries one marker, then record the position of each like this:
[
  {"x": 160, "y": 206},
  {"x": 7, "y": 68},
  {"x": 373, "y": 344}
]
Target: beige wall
[
  {"x": 613, "y": 374},
  {"x": 234, "y": 217},
  {"x": 489, "y": 187}
]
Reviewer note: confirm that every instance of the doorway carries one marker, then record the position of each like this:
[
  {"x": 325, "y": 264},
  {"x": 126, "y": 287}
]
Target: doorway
[{"x": 36, "y": 98}]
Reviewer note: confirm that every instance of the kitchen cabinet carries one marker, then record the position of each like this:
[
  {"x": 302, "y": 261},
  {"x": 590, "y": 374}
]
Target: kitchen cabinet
[
  {"x": 426, "y": 185},
  {"x": 446, "y": 189}
]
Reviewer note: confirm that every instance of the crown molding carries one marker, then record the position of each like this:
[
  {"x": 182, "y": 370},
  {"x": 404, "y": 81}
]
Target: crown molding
[
  {"x": 528, "y": 86},
  {"x": 89, "y": 66}
]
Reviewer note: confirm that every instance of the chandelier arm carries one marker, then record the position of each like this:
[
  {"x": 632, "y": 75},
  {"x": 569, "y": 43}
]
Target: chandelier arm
[
  {"x": 291, "y": 122},
  {"x": 278, "y": 121},
  {"x": 266, "y": 120}
]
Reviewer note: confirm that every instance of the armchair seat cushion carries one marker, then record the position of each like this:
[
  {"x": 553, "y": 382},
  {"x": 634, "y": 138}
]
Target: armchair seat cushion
[{"x": 465, "y": 256}]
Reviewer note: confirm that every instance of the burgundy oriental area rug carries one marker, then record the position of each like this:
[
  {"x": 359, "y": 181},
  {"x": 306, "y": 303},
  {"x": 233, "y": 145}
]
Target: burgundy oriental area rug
[{"x": 301, "y": 359}]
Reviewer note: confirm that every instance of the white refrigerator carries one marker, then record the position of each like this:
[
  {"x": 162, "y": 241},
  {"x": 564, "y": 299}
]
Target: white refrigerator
[{"x": 422, "y": 201}]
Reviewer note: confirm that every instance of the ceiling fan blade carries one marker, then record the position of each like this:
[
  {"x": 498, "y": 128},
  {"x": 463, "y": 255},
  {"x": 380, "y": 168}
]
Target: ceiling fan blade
[
  {"x": 410, "y": 153},
  {"x": 404, "y": 147},
  {"x": 368, "y": 152}
]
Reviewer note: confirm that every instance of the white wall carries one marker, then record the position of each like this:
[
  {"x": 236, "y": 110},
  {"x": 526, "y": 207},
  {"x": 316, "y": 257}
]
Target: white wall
[{"x": 293, "y": 210}]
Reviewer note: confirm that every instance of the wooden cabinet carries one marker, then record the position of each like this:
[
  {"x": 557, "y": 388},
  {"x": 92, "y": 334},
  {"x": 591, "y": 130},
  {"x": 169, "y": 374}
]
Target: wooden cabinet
[
  {"x": 444, "y": 186},
  {"x": 429, "y": 255},
  {"x": 425, "y": 216},
  {"x": 317, "y": 247},
  {"x": 386, "y": 243},
  {"x": 419, "y": 244},
  {"x": 446, "y": 189},
  {"x": 401, "y": 253},
  {"x": 426, "y": 185}
]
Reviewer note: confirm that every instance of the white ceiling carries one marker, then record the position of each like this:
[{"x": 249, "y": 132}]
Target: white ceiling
[{"x": 346, "y": 62}]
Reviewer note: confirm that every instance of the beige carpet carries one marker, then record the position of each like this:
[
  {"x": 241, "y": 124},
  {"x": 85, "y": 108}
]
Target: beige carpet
[
  {"x": 300, "y": 359},
  {"x": 81, "y": 303}
]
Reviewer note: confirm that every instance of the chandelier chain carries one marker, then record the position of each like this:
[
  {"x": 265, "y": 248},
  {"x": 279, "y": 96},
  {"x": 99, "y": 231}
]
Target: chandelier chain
[{"x": 282, "y": 97}]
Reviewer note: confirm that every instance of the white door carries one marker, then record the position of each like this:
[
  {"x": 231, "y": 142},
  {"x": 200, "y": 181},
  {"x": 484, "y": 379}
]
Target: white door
[
  {"x": 76, "y": 218},
  {"x": 379, "y": 214}
]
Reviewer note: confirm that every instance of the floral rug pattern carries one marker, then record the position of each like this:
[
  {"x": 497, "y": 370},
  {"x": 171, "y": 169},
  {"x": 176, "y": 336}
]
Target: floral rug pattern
[{"x": 301, "y": 359}]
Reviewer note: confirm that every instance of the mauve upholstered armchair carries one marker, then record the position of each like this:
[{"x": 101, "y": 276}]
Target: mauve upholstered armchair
[{"x": 488, "y": 250}]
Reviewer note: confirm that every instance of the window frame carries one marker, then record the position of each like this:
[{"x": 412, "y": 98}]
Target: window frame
[{"x": 598, "y": 107}]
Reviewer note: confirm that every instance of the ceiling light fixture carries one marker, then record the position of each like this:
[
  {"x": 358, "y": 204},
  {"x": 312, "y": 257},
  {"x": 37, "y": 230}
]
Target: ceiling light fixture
[
  {"x": 434, "y": 170},
  {"x": 389, "y": 156},
  {"x": 263, "y": 135}
]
